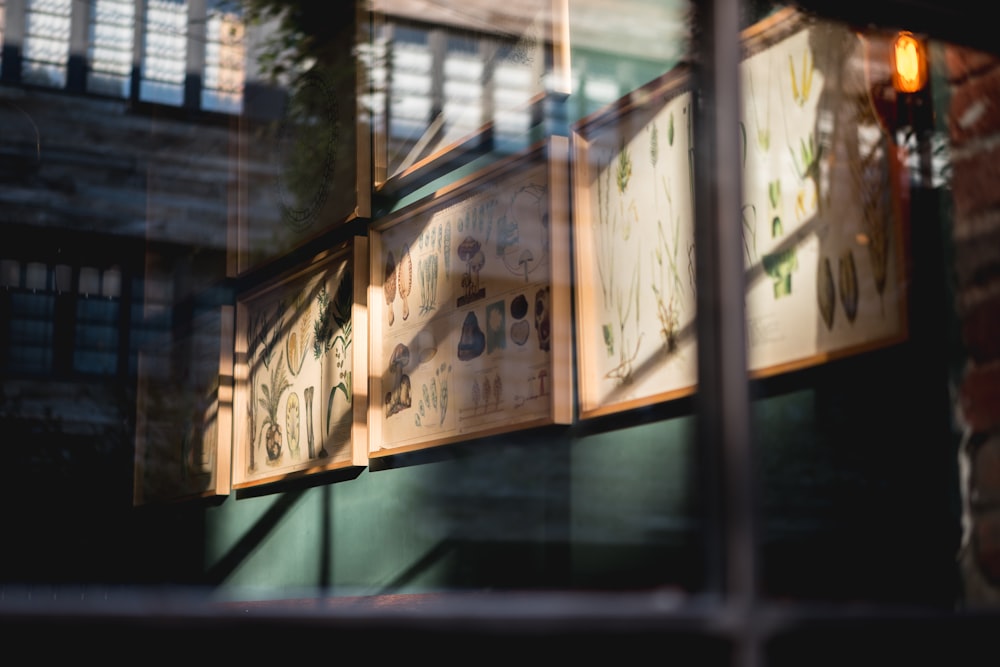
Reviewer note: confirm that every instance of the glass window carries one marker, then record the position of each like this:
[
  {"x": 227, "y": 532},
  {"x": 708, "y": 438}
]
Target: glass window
[
  {"x": 165, "y": 48},
  {"x": 112, "y": 30},
  {"x": 225, "y": 62},
  {"x": 46, "y": 42}
]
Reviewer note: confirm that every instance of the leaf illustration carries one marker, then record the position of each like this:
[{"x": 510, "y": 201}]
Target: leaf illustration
[
  {"x": 848, "y": 285},
  {"x": 825, "y": 292}
]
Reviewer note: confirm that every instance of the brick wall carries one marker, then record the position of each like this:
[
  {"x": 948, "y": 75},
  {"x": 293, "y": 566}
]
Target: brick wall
[{"x": 974, "y": 129}]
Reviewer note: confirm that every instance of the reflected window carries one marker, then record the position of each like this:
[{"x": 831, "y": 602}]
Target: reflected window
[
  {"x": 225, "y": 59},
  {"x": 59, "y": 318},
  {"x": 112, "y": 27},
  {"x": 164, "y": 52},
  {"x": 97, "y": 321},
  {"x": 46, "y": 42},
  {"x": 436, "y": 85},
  {"x": 3, "y": 26}
]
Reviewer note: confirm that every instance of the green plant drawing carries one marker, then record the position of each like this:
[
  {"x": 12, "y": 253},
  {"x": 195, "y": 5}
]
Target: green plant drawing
[
  {"x": 807, "y": 168},
  {"x": 622, "y": 372},
  {"x": 780, "y": 266},
  {"x": 774, "y": 195},
  {"x": 262, "y": 339},
  {"x": 763, "y": 131},
  {"x": 270, "y": 399},
  {"x": 623, "y": 171},
  {"x": 614, "y": 228},
  {"x": 666, "y": 281},
  {"x": 427, "y": 270},
  {"x": 333, "y": 329},
  {"x": 801, "y": 89}
]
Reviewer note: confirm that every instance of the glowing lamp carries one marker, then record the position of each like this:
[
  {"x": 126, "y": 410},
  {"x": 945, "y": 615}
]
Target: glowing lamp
[{"x": 909, "y": 63}]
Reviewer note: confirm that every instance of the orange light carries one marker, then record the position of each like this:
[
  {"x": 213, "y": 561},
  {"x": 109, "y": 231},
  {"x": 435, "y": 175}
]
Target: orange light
[{"x": 909, "y": 59}]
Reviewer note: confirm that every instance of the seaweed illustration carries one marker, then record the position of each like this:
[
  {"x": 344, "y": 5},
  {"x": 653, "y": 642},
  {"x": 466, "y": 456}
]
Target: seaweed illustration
[
  {"x": 270, "y": 399},
  {"x": 801, "y": 89},
  {"x": 428, "y": 272},
  {"x": 606, "y": 229},
  {"x": 622, "y": 372},
  {"x": 262, "y": 339},
  {"x": 442, "y": 373},
  {"x": 614, "y": 227},
  {"x": 623, "y": 170},
  {"x": 389, "y": 286},
  {"x": 774, "y": 196},
  {"x": 780, "y": 266},
  {"x": 333, "y": 329},
  {"x": 749, "y": 231},
  {"x": 807, "y": 167},
  {"x": 826, "y": 292},
  {"x": 427, "y": 268},
  {"x": 434, "y": 398},
  {"x": 763, "y": 135},
  {"x": 497, "y": 390},
  {"x": 666, "y": 281},
  {"x": 292, "y": 423},
  {"x": 404, "y": 276},
  {"x": 446, "y": 248},
  {"x": 848, "y": 284}
]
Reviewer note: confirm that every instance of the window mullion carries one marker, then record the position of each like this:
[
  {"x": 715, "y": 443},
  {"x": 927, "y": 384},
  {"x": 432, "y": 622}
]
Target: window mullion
[{"x": 723, "y": 391}]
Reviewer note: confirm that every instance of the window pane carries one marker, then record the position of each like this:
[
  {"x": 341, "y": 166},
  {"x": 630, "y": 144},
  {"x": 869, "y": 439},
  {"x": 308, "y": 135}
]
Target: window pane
[
  {"x": 46, "y": 42},
  {"x": 112, "y": 29},
  {"x": 164, "y": 52},
  {"x": 225, "y": 63}
]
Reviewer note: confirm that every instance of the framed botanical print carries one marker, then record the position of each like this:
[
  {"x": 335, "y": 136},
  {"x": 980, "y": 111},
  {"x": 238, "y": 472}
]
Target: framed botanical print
[
  {"x": 634, "y": 248},
  {"x": 301, "y": 370},
  {"x": 470, "y": 307},
  {"x": 823, "y": 217}
]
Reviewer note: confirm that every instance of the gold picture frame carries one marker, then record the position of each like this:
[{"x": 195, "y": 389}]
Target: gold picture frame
[
  {"x": 634, "y": 248},
  {"x": 470, "y": 307},
  {"x": 823, "y": 210},
  {"x": 301, "y": 369}
]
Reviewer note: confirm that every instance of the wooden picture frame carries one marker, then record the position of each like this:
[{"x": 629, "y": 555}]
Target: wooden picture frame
[
  {"x": 302, "y": 154},
  {"x": 634, "y": 248},
  {"x": 449, "y": 83},
  {"x": 184, "y": 412},
  {"x": 825, "y": 274},
  {"x": 823, "y": 211},
  {"x": 470, "y": 307},
  {"x": 305, "y": 334}
]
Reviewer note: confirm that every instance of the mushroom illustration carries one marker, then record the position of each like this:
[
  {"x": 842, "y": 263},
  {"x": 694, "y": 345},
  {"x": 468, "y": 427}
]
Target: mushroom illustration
[
  {"x": 405, "y": 279},
  {"x": 523, "y": 261},
  {"x": 398, "y": 397},
  {"x": 475, "y": 266},
  {"x": 469, "y": 252},
  {"x": 389, "y": 286}
]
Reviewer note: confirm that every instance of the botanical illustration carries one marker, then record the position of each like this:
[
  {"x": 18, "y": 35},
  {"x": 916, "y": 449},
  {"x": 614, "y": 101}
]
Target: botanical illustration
[
  {"x": 637, "y": 301},
  {"x": 478, "y": 335},
  {"x": 819, "y": 224},
  {"x": 299, "y": 387}
]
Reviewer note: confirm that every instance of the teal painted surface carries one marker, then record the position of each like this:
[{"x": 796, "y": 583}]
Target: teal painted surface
[
  {"x": 533, "y": 510},
  {"x": 633, "y": 521}
]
